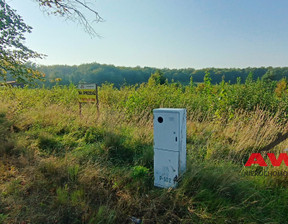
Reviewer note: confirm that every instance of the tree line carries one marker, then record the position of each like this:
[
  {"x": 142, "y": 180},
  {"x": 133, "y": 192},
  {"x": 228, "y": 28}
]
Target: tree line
[{"x": 119, "y": 76}]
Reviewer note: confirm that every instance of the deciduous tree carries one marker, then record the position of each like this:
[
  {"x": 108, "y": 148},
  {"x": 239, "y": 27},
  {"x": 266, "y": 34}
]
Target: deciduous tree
[{"x": 14, "y": 55}]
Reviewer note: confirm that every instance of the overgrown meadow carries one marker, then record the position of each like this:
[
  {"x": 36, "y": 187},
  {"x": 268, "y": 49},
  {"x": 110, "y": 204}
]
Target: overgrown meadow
[{"x": 59, "y": 167}]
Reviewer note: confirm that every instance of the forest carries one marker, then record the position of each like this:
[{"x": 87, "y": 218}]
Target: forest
[{"x": 119, "y": 76}]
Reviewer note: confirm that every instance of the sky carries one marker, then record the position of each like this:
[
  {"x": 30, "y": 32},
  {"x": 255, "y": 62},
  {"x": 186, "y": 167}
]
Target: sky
[{"x": 165, "y": 34}]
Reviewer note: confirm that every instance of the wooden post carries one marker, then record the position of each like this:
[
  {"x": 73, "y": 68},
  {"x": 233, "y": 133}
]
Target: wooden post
[
  {"x": 80, "y": 109},
  {"x": 97, "y": 99}
]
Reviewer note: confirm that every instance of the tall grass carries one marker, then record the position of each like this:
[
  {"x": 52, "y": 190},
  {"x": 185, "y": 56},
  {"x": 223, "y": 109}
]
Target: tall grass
[{"x": 59, "y": 167}]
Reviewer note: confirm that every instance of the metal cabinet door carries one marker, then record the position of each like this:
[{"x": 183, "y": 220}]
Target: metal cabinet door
[
  {"x": 166, "y": 131},
  {"x": 166, "y": 168}
]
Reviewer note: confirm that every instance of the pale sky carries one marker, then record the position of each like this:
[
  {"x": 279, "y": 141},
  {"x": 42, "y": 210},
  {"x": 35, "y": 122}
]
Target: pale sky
[{"x": 165, "y": 34}]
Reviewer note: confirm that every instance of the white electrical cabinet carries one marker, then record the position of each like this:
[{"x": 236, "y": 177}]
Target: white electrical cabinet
[{"x": 169, "y": 146}]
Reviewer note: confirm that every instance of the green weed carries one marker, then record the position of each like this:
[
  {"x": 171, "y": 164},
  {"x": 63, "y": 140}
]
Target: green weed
[{"x": 58, "y": 167}]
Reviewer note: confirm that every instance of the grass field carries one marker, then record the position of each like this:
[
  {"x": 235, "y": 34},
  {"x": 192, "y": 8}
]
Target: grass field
[{"x": 59, "y": 167}]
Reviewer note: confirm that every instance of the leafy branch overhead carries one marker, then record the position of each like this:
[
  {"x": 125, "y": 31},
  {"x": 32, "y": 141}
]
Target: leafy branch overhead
[
  {"x": 75, "y": 10},
  {"x": 13, "y": 53}
]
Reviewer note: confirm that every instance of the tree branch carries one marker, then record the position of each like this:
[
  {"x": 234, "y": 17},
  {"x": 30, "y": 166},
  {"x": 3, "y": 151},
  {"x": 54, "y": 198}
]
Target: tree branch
[{"x": 71, "y": 9}]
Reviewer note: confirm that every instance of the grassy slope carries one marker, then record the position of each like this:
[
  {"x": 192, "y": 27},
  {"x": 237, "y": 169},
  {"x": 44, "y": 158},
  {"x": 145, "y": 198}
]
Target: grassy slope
[{"x": 57, "y": 167}]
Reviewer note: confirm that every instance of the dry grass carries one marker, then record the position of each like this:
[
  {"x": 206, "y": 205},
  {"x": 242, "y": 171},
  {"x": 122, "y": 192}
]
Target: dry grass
[{"x": 54, "y": 172}]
